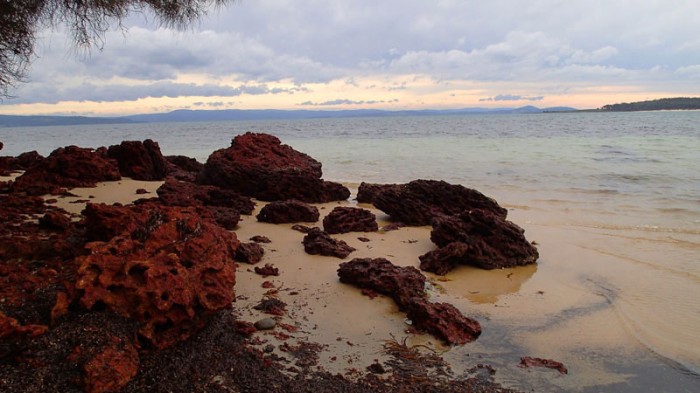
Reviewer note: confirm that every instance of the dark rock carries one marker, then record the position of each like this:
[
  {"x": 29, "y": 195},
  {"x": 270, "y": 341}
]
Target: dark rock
[
  {"x": 54, "y": 220},
  {"x": 139, "y": 160},
  {"x": 267, "y": 270},
  {"x": 141, "y": 191},
  {"x": 25, "y": 161},
  {"x": 420, "y": 201},
  {"x": 368, "y": 191},
  {"x": 318, "y": 242},
  {"x": 167, "y": 268},
  {"x": 406, "y": 285},
  {"x": 281, "y": 212},
  {"x": 350, "y": 219},
  {"x": 69, "y": 167},
  {"x": 301, "y": 228},
  {"x": 180, "y": 193},
  {"x": 479, "y": 238},
  {"x": 259, "y": 165},
  {"x": 183, "y": 168},
  {"x": 272, "y": 306},
  {"x": 249, "y": 253},
  {"x": 528, "y": 361},
  {"x": 260, "y": 239}
]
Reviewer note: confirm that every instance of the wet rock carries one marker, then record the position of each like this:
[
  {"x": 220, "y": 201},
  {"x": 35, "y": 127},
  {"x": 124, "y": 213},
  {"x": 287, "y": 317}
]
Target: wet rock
[
  {"x": 479, "y": 238},
  {"x": 259, "y": 165},
  {"x": 350, "y": 219},
  {"x": 139, "y": 160},
  {"x": 318, "y": 242},
  {"x": 168, "y": 269},
  {"x": 250, "y": 253},
  {"x": 68, "y": 167},
  {"x": 406, "y": 285},
  {"x": 290, "y": 211},
  {"x": 420, "y": 201},
  {"x": 528, "y": 361}
]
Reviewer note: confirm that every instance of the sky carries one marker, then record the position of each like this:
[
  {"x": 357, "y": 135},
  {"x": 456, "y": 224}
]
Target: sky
[{"x": 393, "y": 55}]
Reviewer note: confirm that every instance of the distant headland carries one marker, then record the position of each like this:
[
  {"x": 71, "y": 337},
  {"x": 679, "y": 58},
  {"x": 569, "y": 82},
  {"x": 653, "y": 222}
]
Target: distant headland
[{"x": 678, "y": 103}]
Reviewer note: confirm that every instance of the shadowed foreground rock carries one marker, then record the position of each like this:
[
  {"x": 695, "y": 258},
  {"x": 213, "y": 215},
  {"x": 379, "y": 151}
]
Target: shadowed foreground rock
[
  {"x": 170, "y": 273},
  {"x": 284, "y": 212},
  {"x": 318, "y": 242},
  {"x": 139, "y": 160},
  {"x": 68, "y": 167},
  {"x": 406, "y": 285},
  {"x": 421, "y": 201},
  {"x": 478, "y": 238},
  {"x": 259, "y": 165},
  {"x": 350, "y": 219}
]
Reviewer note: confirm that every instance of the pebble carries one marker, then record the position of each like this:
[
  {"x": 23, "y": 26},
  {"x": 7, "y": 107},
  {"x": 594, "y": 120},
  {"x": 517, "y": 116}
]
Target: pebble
[{"x": 265, "y": 324}]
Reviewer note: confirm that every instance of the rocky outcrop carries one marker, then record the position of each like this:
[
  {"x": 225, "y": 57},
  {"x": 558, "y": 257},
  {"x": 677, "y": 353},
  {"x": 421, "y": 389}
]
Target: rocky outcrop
[
  {"x": 139, "y": 160},
  {"x": 478, "y": 238},
  {"x": 291, "y": 211},
  {"x": 259, "y": 165},
  {"x": 420, "y": 201},
  {"x": 368, "y": 191},
  {"x": 406, "y": 285},
  {"x": 67, "y": 167},
  {"x": 318, "y": 242},
  {"x": 167, "y": 268},
  {"x": 350, "y": 219},
  {"x": 181, "y": 193},
  {"x": 183, "y": 168}
]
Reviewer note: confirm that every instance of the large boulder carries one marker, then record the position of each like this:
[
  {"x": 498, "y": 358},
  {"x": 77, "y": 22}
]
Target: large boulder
[
  {"x": 259, "y": 165},
  {"x": 68, "y": 167},
  {"x": 420, "y": 201},
  {"x": 183, "y": 167},
  {"x": 139, "y": 160},
  {"x": 406, "y": 285},
  {"x": 368, "y": 191},
  {"x": 350, "y": 219},
  {"x": 284, "y": 212},
  {"x": 480, "y": 238},
  {"x": 167, "y": 268}
]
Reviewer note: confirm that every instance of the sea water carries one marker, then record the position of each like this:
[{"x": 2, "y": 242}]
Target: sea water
[{"x": 614, "y": 198}]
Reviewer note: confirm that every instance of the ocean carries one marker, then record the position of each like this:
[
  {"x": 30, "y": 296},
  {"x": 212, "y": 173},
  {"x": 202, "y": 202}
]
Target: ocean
[{"x": 612, "y": 199}]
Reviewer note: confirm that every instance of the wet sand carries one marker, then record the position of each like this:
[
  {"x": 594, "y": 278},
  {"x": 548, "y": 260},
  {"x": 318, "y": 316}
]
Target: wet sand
[{"x": 572, "y": 306}]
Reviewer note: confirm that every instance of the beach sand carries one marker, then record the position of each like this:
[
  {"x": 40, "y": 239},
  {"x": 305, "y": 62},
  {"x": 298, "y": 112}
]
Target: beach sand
[{"x": 558, "y": 309}]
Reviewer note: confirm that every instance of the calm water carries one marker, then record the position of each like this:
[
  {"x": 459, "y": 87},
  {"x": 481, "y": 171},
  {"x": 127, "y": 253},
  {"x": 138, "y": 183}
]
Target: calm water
[{"x": 626, "y": 187}]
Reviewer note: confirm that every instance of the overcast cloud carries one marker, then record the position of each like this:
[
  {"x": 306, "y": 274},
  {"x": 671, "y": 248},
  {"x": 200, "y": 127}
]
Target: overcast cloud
[{"x": 388, "y": 54}]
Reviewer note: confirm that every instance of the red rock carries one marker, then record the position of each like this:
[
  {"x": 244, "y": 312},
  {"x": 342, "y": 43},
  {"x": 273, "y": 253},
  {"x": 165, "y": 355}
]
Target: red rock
[
  {"x": 282, "y": 212},
  {"x": 141, "y": 191},
  {"x": 259, "y": 165},
  {"x": 69, "y": 167},
  {"x": 54, "y": 220},
  {"x": 491, "y": 242},
  {"x": 111, "y": 369},
  {"x": 11, "y": 329},
  {"x": 183, "y": 168},
  {"x": 272, "y": 306},
  {"x": 368, "y": 191},
  {"x": 406, "y": 285},
  {"x": 168, "y": 269},
  {"x": 139, "y": 160},
  {"x": 267, "y": 270},
  {"x": 350, "y": 219},
  {"x": 25, "y": 161},
  {"x": 528, "y": 361},
  {"x": 249, "y": 253},
  {"x": 260, "y": 239},
  {"x": 301, "y": 228},
  {"x": 421, "y": 201},
  {"x": 180, "y": 193},
  {"x": 318, "y": 242}
]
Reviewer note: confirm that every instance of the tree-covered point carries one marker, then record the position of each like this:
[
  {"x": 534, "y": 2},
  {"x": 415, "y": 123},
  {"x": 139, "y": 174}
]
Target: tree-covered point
[
  {"x": 679, "y": 103},
  {"x": 87, "y": 21}
]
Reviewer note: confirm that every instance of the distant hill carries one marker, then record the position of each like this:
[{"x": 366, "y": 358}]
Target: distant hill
[
  {"x": 186, "y": 115},
  {"x": 39, "y": 121},
  {"x": 679, "y": 103}
]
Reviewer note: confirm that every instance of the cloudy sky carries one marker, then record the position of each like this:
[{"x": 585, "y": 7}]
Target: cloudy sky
[{"x": 340, "y": 54}]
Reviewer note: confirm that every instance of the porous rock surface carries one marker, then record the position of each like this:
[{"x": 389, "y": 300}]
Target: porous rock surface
[
  {"x": 479, "y": 238},
  {"x": 69, "y": 166},
  {"x": 406, "y": 285},
  {"x": 259, "y": 165},
  {"x": 170, "y": 272},
  {"x": 350, "y": 219},
  {"x": 420, "y": 201},
  {"x": 290, "y": 211},
  {"x": 318, "y": 242},
  {"x": 139, "y": 160}
]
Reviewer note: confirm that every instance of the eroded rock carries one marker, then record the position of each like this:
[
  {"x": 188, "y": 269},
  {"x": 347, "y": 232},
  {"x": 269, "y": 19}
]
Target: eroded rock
[
  {"x": 350, "y": 219},
  {"x": 318, "y": 242},
  {"x": 291, "y": 211},
  {"x": 139, "y": 160}
]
